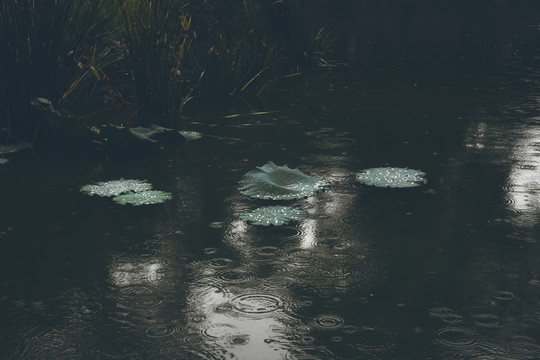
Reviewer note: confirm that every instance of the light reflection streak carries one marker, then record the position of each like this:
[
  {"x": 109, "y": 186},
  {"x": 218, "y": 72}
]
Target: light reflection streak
[
  {"x": 135, "y": 273},
  {"x": 244, "y": 336},
  {"x": 309, "y": 230},
  {"x": 524, "y": 178}
]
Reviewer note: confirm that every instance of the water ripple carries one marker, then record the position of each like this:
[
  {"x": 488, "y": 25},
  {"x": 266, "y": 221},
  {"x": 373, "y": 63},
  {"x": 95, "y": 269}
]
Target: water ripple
[
  {"x": 486, "y": 320},
  {"x": 257, "y": 304},
  {"x": 525, "y": 346},
  {"x": 503, "y": 295},
  {"x": 238, "y": 340},
  {"x": 455, "y": 336},
  {"x": 220, "y": 330},
  {"x": 327, "y": 322},
  {"x": 374, "y": 339},
  {"x": 235, "y": 275},
  {"x": 310, "y": 353},
  {"x": 219, "y": 263},
  {"x": 161, "y": 331}
]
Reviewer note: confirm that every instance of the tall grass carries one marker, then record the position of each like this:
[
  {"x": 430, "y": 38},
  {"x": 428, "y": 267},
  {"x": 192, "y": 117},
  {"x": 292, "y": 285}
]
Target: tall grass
[
  {"x": 210, "y": 51},
  {"x": 48, "y": 48},
  {"x": 241, "y": 45},
  {"x": 155, "y": 40}
]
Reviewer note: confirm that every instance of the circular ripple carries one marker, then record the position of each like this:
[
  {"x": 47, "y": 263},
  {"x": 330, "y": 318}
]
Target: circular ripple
[
  {"x": 219, "y": 263},
  {"x": 238, "y": 340},
  {"x": 525, "y": 345},
  {"x": 503, "y": 295},
  {"x": 210, "y": 250},
  {"x": 257, "y": 303},
  {"x": 453, "y": 336},
  {"x": 327, "y": 322},
  {"x": 160, "y": 331},
  {"x": 220, "y": 330},
  {"x": 134, "y": 291},
  {"x": 139, "y": 296},
  {"x": 440, "y": 312},
  {"x": 192, "y": 338},
  {"x": 197, "y": 318},
  {"x": 234, "y": 276},
  {"x": 486, "y": 320},
  {"x": 147, "y": 302},
  {"x": 310, "y": 353},
  {"x": 267, "y": 251},
  {"x": 374, "y": 339},
  {"x": 223, "y": 308},
  {"x": 452, "y": 318}
]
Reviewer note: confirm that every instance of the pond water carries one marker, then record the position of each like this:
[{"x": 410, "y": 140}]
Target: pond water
[{"x": 446, "y": 270}]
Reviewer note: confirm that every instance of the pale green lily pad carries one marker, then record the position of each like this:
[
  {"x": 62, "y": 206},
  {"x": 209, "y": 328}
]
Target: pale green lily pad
[
  {"x": 116, "y": 187},
  {"x": 190, "y": 135},
  {"x": 280, "y": 183},
  {"x": 273, "y": 215},
  {"x": 391, "y": 177},
  {"x": 148, "y": 197}
]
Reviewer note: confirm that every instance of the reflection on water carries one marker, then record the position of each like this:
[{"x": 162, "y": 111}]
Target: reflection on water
[
  {"x": 524, "y": 178},
  {"x": 447, "y": 270}
]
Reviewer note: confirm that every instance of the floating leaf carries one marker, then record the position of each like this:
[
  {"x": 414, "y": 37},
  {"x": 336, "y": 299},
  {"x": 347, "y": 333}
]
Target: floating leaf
[
  {"x": 190, "y": 135},
  {"x": 116, "y": 187},
  {"x": 273, "y": 215},
  {"x": 391, "y": 177},
  {"x": 143, "y": 198},
  {"x": 3, "y": 161},
  {"x": 280, "y": 183}
]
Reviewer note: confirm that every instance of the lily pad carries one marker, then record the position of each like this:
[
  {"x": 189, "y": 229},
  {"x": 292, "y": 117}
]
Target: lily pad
[
  {"x": 280, "y": 183},
  {"x": 273, "y": 215},
  {"x": 391, "y": 177},
  {"x": 148, "y": 197},
  {"x": 116, "y": 187},
  {"x": 190, "y": 135},
  {"x": 3, "y": 161}
]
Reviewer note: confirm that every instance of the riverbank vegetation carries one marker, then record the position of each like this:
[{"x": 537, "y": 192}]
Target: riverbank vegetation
[{"x": 144, "y": 61}]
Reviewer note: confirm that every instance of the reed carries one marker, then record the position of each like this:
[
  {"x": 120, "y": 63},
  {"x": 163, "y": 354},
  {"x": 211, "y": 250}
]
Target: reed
[
  {"x": 210, "y": 52},
  {"x": 48, "y": 50},
  {"x": 242, "y": 45},
  {"x": 155, "y": 40}
]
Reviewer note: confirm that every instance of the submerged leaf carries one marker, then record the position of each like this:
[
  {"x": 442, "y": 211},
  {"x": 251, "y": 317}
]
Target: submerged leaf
[
  {"x": 280, "y": 183},
  {"x": 116, "y": 187},
  {"x": 3, "y": 161},
  {"x": 273, "y": 215},
  {"x": 143, "y": 198},
  {"x": 391, "y": 177}
]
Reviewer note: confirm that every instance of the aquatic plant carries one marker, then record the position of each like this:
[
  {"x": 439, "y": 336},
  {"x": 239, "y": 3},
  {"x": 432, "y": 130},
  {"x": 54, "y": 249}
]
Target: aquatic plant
[
  {"x": 134, "y": 192},
  {"x": 148, "y": 197},
  {"x": 155, "y": 39},
  {"x": 116, "y": 187},
  {"x": 273, "y": 215},
  {"x": 241, "y": 46},
  {"x": 49, "y": 49},
  {"x": 280, "y": 183},
  {"x": 391, "y": 177},
  {"x": 190, "y": 135}
]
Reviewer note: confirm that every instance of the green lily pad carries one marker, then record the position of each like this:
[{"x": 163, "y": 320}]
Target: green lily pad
[
  {"x": 280, "y": 183},
  {"x": 190, "y": 135},
  {"x": 391, "y": 177},
  {"x": 148, "y": 197},
  {"x": 116, "y": 187},
  {"x": 273, "y": 215}
]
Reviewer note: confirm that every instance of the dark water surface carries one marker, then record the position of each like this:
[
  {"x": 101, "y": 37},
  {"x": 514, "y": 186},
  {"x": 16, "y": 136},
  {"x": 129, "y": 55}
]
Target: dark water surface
[{"x": 447, "y": 270}]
